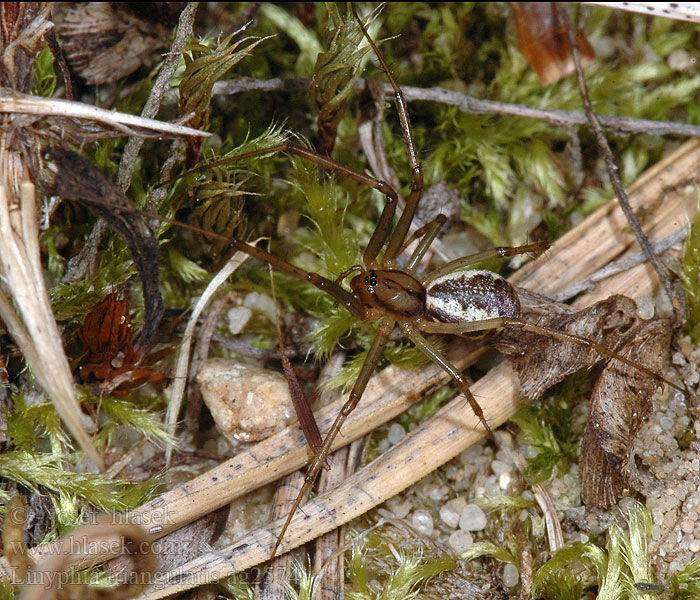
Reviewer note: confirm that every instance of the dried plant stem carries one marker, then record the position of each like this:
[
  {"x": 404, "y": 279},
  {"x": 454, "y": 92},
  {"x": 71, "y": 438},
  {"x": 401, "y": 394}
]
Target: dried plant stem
[
  {"x": 597, "y": 240},
  {"x": 613, "y": 170},
  {"x": 133, "y": 146},
  {"x": 183, "y": 360},
  {"x": 469, "y": 104},
  {"x": 33, "y": 325},
  {"x": 124, "y": 124},
  {"x": 78, "y": 264}
]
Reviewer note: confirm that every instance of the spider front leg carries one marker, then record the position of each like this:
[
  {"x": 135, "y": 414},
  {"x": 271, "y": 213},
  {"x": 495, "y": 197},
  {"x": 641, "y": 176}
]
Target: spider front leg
[{"x": 372, "y": 359}]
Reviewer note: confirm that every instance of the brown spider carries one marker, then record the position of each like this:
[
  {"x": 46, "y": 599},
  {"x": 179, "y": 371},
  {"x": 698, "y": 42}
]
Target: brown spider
[{"x": 450, "y": 300}]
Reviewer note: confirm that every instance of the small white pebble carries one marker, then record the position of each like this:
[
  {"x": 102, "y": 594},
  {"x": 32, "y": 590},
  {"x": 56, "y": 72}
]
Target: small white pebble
[
  {"x": 448, "y": 515},
  {"x": 694, "y": 546},
  {"x": 237, "y": 319},
  {"x": 472, "y": 518},
  {"x": 399, "y": 506},
  {"x": 680, "y": 60},
  {"x": 437, "y": 493},
  {"x": 422, "y": 521},
  {"x": 504, "y": 480},
  {"x": 511, "y": 576},
  {"x": 499, "y": 467},
  {"x": 460, "y": 541},
  {"x": 262, "y": 303},
  {"x": 645, "y": 307},
  {"x": 627, "y": 504},
  {"x": 396, "y": 433},
  {"x": 383, "y": 446},
  {"x": 666, "y": 423},
  {"x": 687, "y": 525}
]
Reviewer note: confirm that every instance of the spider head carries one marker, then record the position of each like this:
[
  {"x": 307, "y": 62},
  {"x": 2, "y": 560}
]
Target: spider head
[{"x": 388, "y": 293}]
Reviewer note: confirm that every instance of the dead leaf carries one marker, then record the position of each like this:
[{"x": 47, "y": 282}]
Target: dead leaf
[{"x": 620, "y": 400}]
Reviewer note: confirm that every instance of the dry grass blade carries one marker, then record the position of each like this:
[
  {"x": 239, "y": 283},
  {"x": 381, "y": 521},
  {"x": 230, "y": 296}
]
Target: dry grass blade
[
  {"x": 124, "y": 124},
  {"x": 455, "y": 428},
  {"x": 32, "y": 322},
  {"x": 183, "y": 359}
]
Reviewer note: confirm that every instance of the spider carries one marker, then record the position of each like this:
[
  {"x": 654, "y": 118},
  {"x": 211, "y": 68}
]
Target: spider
[{"x": 453, "y": 299}]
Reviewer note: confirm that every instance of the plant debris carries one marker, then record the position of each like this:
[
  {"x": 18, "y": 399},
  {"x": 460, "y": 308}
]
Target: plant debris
[
  {"x": 621, "y": 396},
  {"x": 76, "y": 178}
]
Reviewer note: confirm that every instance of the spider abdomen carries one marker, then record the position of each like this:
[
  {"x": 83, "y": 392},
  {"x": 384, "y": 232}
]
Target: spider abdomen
[{"x": 471, "y": 295}]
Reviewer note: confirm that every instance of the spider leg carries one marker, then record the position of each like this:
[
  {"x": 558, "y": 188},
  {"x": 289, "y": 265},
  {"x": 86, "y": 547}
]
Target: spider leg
[
  {"x": 402, "y": 227},
  {"x": 371, "y": 360},
  {"x": 429, "y": 232},
  {"x": 500, "y": 322},
  {"x": 426, "y": 347},
  {"x": 381, "y": 231},
  {"x": 490, "y": 254}
]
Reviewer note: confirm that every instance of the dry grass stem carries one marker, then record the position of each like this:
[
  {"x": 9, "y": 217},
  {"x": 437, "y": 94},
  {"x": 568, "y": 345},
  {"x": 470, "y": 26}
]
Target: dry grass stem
[
  {"x": 125, "y": 124},
  {"x": 30, "y": 320}
]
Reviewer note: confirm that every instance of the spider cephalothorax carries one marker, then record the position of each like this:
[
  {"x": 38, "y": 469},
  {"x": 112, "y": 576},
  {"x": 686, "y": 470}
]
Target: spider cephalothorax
[{"x": 387, "y": 291}]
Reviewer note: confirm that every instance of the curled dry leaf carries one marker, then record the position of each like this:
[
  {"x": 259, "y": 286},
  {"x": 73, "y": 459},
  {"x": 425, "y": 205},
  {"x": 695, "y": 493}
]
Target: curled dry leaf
[
  {"x": 79, "y": 179},
  {"x": 619, "y": 404},
  {"x": 621, "y": 397},
  {"x": 541, "y": 361},
  {"x": 104, "y": 42}
]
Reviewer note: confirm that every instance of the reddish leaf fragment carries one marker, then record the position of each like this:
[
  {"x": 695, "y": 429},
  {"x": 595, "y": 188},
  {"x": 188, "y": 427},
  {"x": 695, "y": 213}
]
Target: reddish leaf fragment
[
  {"x": 79, "y": 179},
  {"x": 544, "y": 42},
  {"x": 110, "y": 356}
]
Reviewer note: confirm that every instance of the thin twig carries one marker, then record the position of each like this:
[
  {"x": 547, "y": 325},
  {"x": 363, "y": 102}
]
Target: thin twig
[
  {"x": 469, "y": 104},
  {"x": 133, "y": 146},
  {"x": 621, "y": 265},
  {"x": 613, "y": 170},
  {"x": 76, "y": 266}
]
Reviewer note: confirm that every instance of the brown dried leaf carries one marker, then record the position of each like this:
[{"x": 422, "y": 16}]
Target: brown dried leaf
[
  {"x": 104, "y": 43},
  {"x": 621, "y": 397},
  {"x": 544, "y": 43},
  {"x": 79, "y": 179},
  {"x": 542, "y": 361},
  {"x": 619, "y": 404}
]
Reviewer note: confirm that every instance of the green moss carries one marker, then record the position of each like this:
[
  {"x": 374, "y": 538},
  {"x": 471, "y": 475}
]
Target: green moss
[
  {"x": 622, "y": 571},
  {"x": 44, "y": 74},
  {"x": 380, "y": 570},
  {"x": 690, "y": 276},
  {"x": 33, "y": 469}
]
